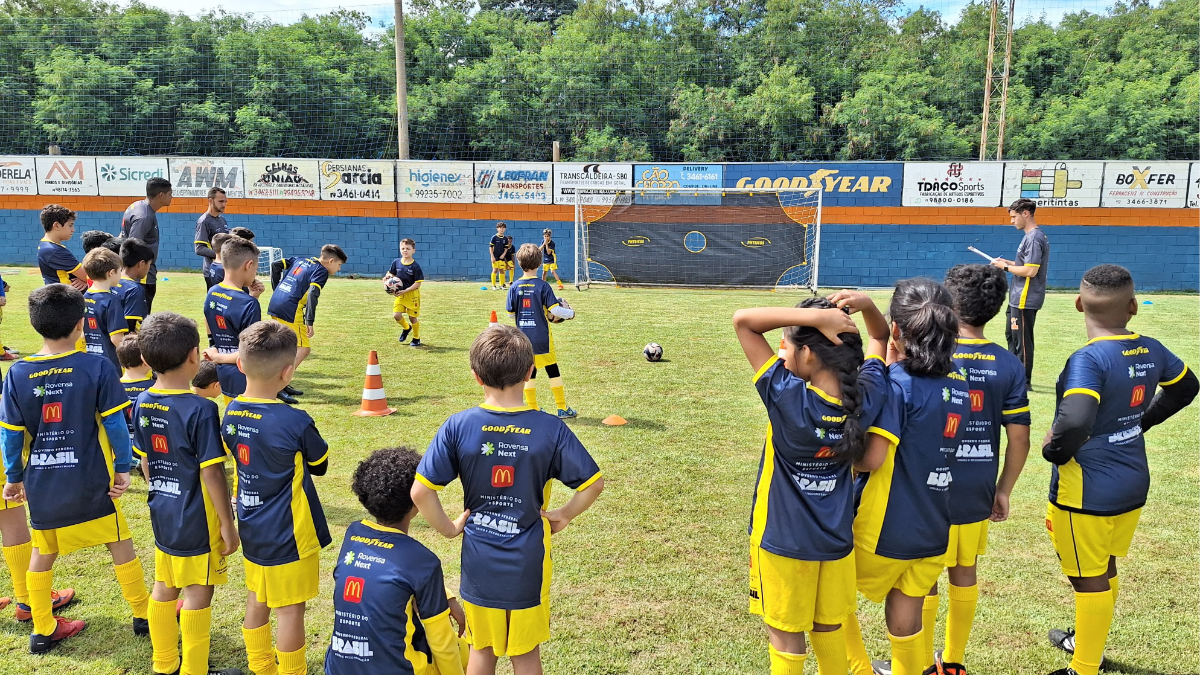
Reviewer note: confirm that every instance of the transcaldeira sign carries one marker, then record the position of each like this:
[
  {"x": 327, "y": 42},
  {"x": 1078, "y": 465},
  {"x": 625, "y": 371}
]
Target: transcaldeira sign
[
  {"x": 127, "y": 176},
  {"x": 844, "y": 184},
  {"x": 513, "y": 183},
  {"x": 59, "y": 175},
  {"x": 1145, "y": 184},
  {"x": 952, "y": 183},
  {"x": 281, "y": 178},
  {"x": 18, "y": 176},
  {"x": 569, "y": 177},
  {"x": 445, "y": 182},
  {"x": 363, "y": 180},
  {"x": 195, "y": 176}
]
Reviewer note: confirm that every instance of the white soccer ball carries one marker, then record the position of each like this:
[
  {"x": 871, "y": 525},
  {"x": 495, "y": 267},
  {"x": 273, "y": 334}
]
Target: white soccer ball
[
  {"x": 392, "y": 284},
  {"x": 653, "y": 352},
  {"x": 554, "y": 319}
]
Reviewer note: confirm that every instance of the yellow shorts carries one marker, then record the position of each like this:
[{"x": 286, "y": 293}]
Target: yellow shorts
[
  {"x": 206, "y": 569},
  {"x": 1084, "y": 543},
  {"x": 509, "y": 264},
  {"x": 878, "y": 575},
  {"x": 300, "y": 331},
  {"x": 499, "y": 265},
  {"x": 790, "y": 595},
  {"x": 287, "y": 584},
  {"x": 6, "y": 505},
  {"x": 967, "y": 542},
  {"x": 509, "y": 632},
  {"x": 464, "y": 655},
  {"x": 103, "y": 530},
  {"x": 543, "y": 360},
  {"x": 409, "y": 303},
  {"x": 550, "y": 267}
]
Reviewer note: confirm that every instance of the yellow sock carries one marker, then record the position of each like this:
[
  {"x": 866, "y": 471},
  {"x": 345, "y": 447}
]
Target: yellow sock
[
  {"x": 493, "y": 276},
  {"x": 1093, "y": 616},
  {"x": 560, "y": 392},
  {"x": 194, "y": 625},
  {"x": 907, "y": 654},
  {"x": 1113, "y": 585},
  {"x": 403, "y": 322},
  {"x": 784, "y": 663},
  {"x": 928, "y": 621},
  {"x": 958, "y": 621},
  {"x": 292, "y": 663},
  {"x": 530, "y": 395},
  {"x": 260, "y": 652},
  {"x": 133, "y": 586},
  {"x": 416, "y": 334},
  {"x": 511, "y": 274},
  {"x": 164, "y": 636},
  {"x": 17, "y": 558},
  {"x": 830, "y": 650},
  {"x": 856, "y": 650},
  {"x": 40, "y": 604}
]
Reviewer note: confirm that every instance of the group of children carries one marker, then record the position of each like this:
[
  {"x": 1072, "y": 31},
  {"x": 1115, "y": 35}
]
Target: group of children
[
  {"x": 503, "y": 255},
  {"x": 881, "y": 465}
]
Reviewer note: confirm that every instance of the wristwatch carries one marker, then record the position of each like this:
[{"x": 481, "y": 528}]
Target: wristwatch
[{"x": 1006, "y": 268}]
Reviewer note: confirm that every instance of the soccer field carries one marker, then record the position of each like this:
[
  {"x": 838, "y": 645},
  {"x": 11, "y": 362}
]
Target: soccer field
[{"x": 653, "y": 579}]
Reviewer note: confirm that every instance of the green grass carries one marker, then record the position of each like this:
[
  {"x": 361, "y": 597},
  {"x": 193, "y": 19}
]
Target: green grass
[{"x": 653, "y": 578}]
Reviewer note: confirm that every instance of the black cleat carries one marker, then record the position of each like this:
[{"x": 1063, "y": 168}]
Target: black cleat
[
  {"x": 1064, "y": 671},
  {"x": 215, "y": 671},
  {"x": 64, "y": 628},
  {"x": 404, "y": 334},
  {"x": 940, "y": 667},
  {"x": 415, "y": 343},
  {"x": 290, "y": 400},
  {"x": 1065, "y": 640},
  {"x": 881, "y": 667},
  {"x": 141, "y": 626},
  {"x": 292, "y": 391}
]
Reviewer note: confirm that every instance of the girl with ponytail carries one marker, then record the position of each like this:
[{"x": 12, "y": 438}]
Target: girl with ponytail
[
  {"x": 819, "y": 402},
  {"x": 902, "y": 525}
]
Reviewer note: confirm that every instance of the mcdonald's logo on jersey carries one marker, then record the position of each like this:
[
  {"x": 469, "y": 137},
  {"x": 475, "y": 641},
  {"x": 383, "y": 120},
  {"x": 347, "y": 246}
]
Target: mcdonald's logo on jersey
[
  {"x": 243, "y": 454},
  {"x": 1138, "y": 397},
  {"x": 158, "y": 443},
  {"x": 502, "y": 476},
  {"x": 527, "y": 302},
  {"x": 221, "y": 322},
  {"x": 825, "y": 452},
  {"x": 52, "y": 412},
  {"x": 92, "y": 322},
  {"x": 976, "y": 400},
  {"x": 952, "y": 422},
  {"x": 353, "y": 590}
]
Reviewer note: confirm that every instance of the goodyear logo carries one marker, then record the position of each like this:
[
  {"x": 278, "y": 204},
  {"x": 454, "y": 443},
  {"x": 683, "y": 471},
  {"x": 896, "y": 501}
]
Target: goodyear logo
[
  {"x": 156, "y": 406},
  {"x": 371, "y": 541},
  {"x": 244, "y": 413},
  {"x": 50, "y": 371},
  {"x": 833, "y": 418},
  {"x": 974, "y": 356},
  {"x": 222, "y": 295},
  {"x": 508, "y": 429},
  {"x": 829, "y": 180},
  {"x": 1135, "y": 352},
  {"x": 756, "y": 242},
  {"x": 636, "y": 241}
]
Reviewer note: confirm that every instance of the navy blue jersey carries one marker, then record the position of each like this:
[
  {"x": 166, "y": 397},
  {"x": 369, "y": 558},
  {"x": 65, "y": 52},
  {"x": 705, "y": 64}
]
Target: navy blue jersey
[
  {"x": 177, "y": 433},
  {"x": 279, "y": 515},
  {"x": 386, "y": 585},
  {"x": 505, "y": 459},
  {"x": 103, "y": 318},
  {"x": 291, "y": 295},
  {"x": 996, "y": 384},
  {"x": 1109, "y": 474},
  {"x": 529, "y": 300},
  {"x": 408, "y": 274},
  {"x": 229, "y": 310},
  {"x": 549, "y": 255},
  {"x": 133, "y": 389},
  {"x": 216, "y": 272},
  {"x": 60, "y": 402},
  {"x": 904, "y": 505},
  {"x": 510, "y": 252},
  {"x": 57, "y": 263},
  {"x": 133, "y": 303},
  {"x": 141, "y": 222},
  {"x": 804, "y": 499},
  {"x": 499, "y": 246}
]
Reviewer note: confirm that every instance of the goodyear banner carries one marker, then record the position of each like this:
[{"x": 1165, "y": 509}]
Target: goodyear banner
[
  {"x": 513, "y": 183},
  {"x": 952, "y": 183},
  {"x": 18, "y": 176},
  {"x": 127, "y": 176},
  {"x": 195, "y": 176},
  {"x": 1145, "y": 184},
  {"x": 359, "y": 179},
  {"x": 445, "y": 182},
  {"x": 281, "y": 178},
  {"x": 58, "y": 175},
  {"x": 1076, "y": 184},
  {"x": 569, "y": 177},
  {"x": 844, "y": 184}
]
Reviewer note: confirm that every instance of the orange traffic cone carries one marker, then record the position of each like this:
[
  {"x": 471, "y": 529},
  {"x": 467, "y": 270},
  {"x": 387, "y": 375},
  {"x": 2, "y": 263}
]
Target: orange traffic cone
[
  {"x": 374, "y": 401},
  {"x": 493, "y": 321}
]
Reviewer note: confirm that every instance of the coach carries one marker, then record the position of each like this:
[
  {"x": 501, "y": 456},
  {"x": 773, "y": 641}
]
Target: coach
[
  {"x": 211, "y": 223},
  {"x": 141, "y": 221},
  {"x": 1027, "y": 291}
]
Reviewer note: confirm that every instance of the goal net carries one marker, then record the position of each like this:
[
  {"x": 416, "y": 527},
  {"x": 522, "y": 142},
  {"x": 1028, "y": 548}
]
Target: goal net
[
  {"x": 699, "y": 237},
  {"x": 267, "y": 256}
]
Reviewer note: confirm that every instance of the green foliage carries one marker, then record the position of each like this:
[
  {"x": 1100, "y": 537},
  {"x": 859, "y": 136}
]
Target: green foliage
[{"x": 695, "y": 80}]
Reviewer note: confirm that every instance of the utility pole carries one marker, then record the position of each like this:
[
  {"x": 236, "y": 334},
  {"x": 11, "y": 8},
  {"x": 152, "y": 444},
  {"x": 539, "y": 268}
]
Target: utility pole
[
  {"x": 995, "y": 111},
  {"x": 401, "y": 83}
]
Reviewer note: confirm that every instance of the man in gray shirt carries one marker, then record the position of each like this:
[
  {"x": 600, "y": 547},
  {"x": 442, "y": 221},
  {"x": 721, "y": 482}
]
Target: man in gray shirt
[
  {"x": 210, "y": 223},
  {"x": 141, "y": 222},
  {"x": 1027, "y": 291}
]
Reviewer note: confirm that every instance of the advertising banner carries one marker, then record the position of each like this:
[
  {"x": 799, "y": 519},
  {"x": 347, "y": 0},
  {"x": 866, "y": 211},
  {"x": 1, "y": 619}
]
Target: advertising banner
[
  {"x": 446, "y": 182},
  {"x": 844, "y": 183},
  {"x": 952, "y": 183},
  {"x": 1053, "y": 183},
  {"x": 569, "y": 177},
  {"x": 678, "y": 176},
  {"x": 358, "y": 179},
  {"x": 281, "y": 178},
  {"x": 1145, "y": 184},
  {"x": 127, "y": 176},
  {"x": 18, "y": 176},
  {"x": 58, "y": 175},
  {"x": 194, "y": 176},
  {"x": 513, "y": 183},
  {"x": 1194, "y": 187}
]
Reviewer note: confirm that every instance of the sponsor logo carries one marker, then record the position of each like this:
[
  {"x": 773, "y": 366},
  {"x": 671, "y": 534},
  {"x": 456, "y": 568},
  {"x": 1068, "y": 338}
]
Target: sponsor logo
[
  {"x": 143, "y": 421},
  {"x": 955, "y": 170},
  {"x": 1047, "y": 183},
  {"x": 976, "y": 400},
  {"x": 756, "y": 242},
  {"x": 250, "y": 501},
  {"x": 371, "y": 541},
  {"x": 230, "y": 429},
  {"x": 952, "y": 422},
  {"x": 819, "y": 432},
  {"x": 60, "y": 167},
  {"x": 488, "y": 449},
  {"x": 975, "y": 451},
  {"x": 507, "y": 429},
  {"x": 502, "y": 476},
  {"x": 158, "y": 443},
  {"x": 494, "y": 524},
  {"x": 52, "y": 412},
  {"x": 282, "y": 173},
  {"x": 1128, "y": 434},
  {"x": 207, "y": 177},
  {"x": 823, "y": 485},
  {"x": 243, "y": 413},
  {"x": 945, "y": 394},
  {"x": 825, "y": 452},
  {"x": 7, "y": 173},
  {"x": 1135, "y": 351},
  {"x": 527, "y": 302},
  {"x": 427, "y": 177},
  {"x": 350, "y": 174},
  {"x": 52, "y": 458},
  {"x": 110, "y": 173},
  {"x": 167, "y": 485},
  {"x": 485, "y": 178},
  {"x": 353, "y": 590},
  {"x": 221, "y": 322},
  {"x": 636, "y": 241},
  {"x": 349, "y": 558},
  {"x": 939, "y": 479},
  {"x": 1142, "y": 179},
  {"x": 1139, "y": 395},
  {"x": 828, "y": 180},
  {"x": 243, "y": 454},
  {"x": 360, "y": 648},
  {"x": 92, "y": 322}
]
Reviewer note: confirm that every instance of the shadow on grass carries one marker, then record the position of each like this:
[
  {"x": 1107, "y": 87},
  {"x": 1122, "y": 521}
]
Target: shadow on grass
[
  {"x": 1114, "y": 666},
  {"x": 439, "y": 349},
  {"x": 343, "y": 516},
  {"x": 631, "y": 422}
]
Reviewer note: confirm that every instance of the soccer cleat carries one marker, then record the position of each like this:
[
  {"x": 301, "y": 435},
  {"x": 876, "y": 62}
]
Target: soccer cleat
[
  {"x": 415, "y": 343},
  {"x": 881, "y": 667},
  {"x": 1064, "y": 671},
  {"x": 1065, "y": 640},
  {"x": 287, "y": 398},
  {"x": 8, "y": 356},
  {"x": 65, "y": 628},
  {"x": 10, "y": 350},
  {"x": 292, "y": 391},
  {"x": 940, "y": 667},
  {"x": 404, "y": 334},
  {"x": 141, "y": 626},
  {"x": 566, "y": 414},
  {"x": 217, "y": 671},
  {"x": 58, "y": 600}
]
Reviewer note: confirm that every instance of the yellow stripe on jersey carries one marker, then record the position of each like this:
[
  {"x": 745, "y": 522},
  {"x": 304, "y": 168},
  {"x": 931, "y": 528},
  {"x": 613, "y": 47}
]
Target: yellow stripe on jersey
[
  {"x": 765, "y": 367},
  {"x": 762, "y": 491},
  {"x": 323, "y": 458},
  {"x": 427, "y": 483},
  {"x": 1029, "y": 264},
  {"x": 872, "y": 506},
  {"x": 973, "y": 341},
  {"x": 1024, "y": 293},
  {"x": 873, "y": 356},
  {"x": 1131, "y": 336},
  {"x": 112, "y": 410},
  {"x": 1014, "y": 411},
  {"x": 547, "y": 561},
  {"x": 885, "y": 433},
  {"x": 1081, "y": 390},
  {"x": 588, "y": 482},
  {"x": 303, "y": 528},
  {"x": 218, "y": 460},
  {"x": 822, "y": 394},
  {"x": 202, "y": 242},
  {"x": 418, "y": 659},
  {"x": 11, "y": 427},
  {"x": 106, "y": 449},
  {"x": 1070, "y": 485},
  {"x": 1176, "y": 378}
]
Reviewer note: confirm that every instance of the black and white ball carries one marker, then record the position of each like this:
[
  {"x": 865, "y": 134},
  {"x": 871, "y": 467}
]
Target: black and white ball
[
  {"x": 392, "y": 285},
  {"x": 653, "y": 352}
]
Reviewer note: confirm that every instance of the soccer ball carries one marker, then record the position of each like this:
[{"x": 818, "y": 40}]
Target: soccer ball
[
  {"x": 555, "y": 319},
  {"x": 392, "y": 284},
  {"x": 653, "y": 352}
]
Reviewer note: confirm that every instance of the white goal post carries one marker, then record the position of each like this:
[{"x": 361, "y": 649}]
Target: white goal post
[{"x": 698, "y": 237}]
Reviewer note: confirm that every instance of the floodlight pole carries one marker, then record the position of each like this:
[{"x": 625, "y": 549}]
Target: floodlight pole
[
  {"x": 992, "y": 126},
  {"x": 401, "y": 84}
]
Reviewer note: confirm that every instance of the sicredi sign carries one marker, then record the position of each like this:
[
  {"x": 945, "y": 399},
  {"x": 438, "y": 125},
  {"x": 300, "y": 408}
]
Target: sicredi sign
[
  {"x": 281, "y": 178},
  {"x": 58, "y": 175},
  {"x": 843, "y": 183},
  {"x": 127, "y": 176},
  {"x": 18, "y": 176},
  {"x": 1145, "y": 184},
  {"x": 445, "y": 182},
  {"x": 952, "y": 183},
  {"x": 363, "y": 180},
  {"x": 195, "y": 176},
  {"x": 569, "y": 178}
]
